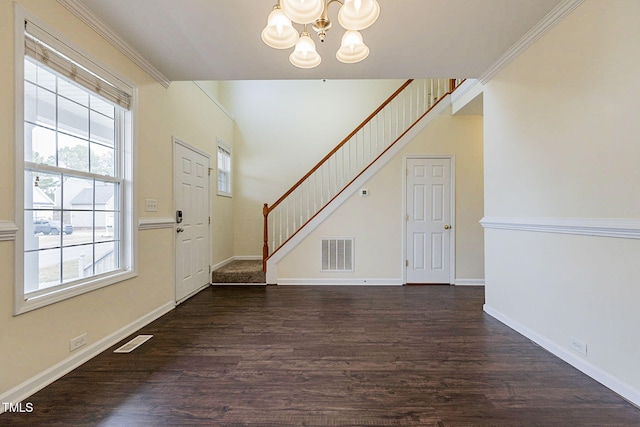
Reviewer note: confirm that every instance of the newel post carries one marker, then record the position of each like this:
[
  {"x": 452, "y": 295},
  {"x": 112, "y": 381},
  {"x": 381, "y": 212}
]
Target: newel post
[{"x": 265, "y": 246}]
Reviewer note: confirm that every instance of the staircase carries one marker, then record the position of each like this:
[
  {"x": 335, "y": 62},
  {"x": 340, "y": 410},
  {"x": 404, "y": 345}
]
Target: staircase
[{"x": 286, "y": 217}]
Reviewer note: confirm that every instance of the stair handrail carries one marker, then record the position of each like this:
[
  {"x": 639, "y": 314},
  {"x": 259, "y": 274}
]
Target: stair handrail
[{"x": 266, "y": 210}]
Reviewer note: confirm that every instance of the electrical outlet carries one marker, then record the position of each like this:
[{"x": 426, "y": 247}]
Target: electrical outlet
[
  {"x": 578, "y": 346},
  {"x": 78, "y": 342},
  {"x": 151, "y": 205}
]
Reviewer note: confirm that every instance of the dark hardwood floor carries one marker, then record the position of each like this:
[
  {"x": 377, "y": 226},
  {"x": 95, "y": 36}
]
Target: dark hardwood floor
[{"x": 328, "y": 356}]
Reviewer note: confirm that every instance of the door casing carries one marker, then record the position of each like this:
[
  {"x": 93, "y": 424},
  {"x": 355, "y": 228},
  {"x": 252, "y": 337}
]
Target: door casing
[
  {"x": 452, "y": 248},
  {"x": 176, "y": 144}
]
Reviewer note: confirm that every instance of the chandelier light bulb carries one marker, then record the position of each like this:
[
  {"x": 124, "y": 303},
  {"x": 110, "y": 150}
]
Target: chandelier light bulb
[
  {"x": 352, "y": 49},
  {"x": 302, "y": 11},
  {"x": 358, "y": 14},
  {"x": 305, "y": 55},
  {"x": 279, "y": 33}
]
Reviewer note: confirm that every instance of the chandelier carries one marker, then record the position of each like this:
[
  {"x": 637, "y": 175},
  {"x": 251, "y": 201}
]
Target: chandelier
[{"x": 354, "y": 15}]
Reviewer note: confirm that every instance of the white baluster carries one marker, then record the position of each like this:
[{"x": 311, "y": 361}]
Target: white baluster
[
  {"x": 342, "y": 179},
  {"x": 327, "y": 174},
  {"x": 292, "y": 196},
  {"x": 287, "y": 221},
  {"x": 335, "y": 183},
  {"x": 417, "y": 100},
  {"x": 397, "y": 121},
  {"x": 274, "y": 231},
  {"x": 308, "y": 198},
  {"x": 315, "y": 192},
  {"x": 301, "y": 199},
  {"x": 384, "y": 127},
  {"x": 377, "y": 151},
  {"x": 431, "y": 94},
  {"x": 411, "y": 104},
  {"x": 321, "y": 187},
  {"x": 280, "y": 219},
  {"x": 425, "y": 95}
]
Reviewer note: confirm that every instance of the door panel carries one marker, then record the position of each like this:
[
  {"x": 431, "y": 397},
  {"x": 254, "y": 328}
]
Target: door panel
[
  {"x": 428, "y": 211},
  {"x": 192, "y": 234}
]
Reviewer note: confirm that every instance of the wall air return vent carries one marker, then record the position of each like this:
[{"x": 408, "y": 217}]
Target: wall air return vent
[{"x": 337, "y": 254}]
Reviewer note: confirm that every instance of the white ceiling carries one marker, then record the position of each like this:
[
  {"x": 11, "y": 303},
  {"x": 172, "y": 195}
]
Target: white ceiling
[{"x": 220, "y": 40}]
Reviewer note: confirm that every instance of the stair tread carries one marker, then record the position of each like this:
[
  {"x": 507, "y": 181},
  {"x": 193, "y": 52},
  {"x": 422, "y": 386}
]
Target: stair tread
[{"x": 240, "y": 271}]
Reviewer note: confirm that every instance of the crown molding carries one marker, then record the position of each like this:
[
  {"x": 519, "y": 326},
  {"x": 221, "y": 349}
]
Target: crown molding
[
  {"x": 534, "y": 34},
  {"x": 89, "y": 18}
]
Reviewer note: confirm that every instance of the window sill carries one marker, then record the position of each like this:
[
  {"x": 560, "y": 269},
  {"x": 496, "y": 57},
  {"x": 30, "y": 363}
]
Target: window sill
[
  {"x": 56, "y": 295},
  {"x": 220, "y": 193}
]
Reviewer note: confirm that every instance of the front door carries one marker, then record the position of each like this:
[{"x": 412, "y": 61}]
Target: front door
[
  {"x": 191, "y": 186},
  {"x": 428, "y": 220}
]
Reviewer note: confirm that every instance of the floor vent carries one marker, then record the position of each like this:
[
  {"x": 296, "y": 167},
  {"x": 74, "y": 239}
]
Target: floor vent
[
  {"x": 337, "y": 254},
  {"x": 133, "y": 344}
]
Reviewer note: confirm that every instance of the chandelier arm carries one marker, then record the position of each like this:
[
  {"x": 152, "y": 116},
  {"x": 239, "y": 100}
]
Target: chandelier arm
[{"x": 323, "y": 23}]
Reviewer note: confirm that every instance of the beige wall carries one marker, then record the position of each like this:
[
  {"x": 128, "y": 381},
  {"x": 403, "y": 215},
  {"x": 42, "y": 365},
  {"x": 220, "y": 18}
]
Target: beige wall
[
  {"x": 375, "y": 221},
  {"x": 283, "y": 128},
  {"x": 36, "y": 341},
  {"x": 561, "y": 141}
]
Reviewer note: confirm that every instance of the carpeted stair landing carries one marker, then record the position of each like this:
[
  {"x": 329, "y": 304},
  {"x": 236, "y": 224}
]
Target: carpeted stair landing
[{"x": 240, "y": 271}]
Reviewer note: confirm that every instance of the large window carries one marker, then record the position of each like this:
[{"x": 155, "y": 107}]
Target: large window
[
  {"x": 77, "y": 173},
  {"x": 224, "y": 169}
]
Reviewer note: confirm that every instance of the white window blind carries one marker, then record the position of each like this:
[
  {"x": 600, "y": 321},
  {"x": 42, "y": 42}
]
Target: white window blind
[{"x": 37, "y": 45}]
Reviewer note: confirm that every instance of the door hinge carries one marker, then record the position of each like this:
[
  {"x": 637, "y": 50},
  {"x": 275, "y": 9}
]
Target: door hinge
[
  {"x": 209, "y": 220},
  {"x": 406, "y": 218},
  {"x": 210, "y": 169},
  {"x": 406, "y": 263},
  {"x": 209, "y": 269}
]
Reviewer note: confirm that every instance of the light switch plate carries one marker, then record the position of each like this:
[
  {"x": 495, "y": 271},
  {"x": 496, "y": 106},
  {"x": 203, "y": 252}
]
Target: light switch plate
[{"x": 151, "y": 205}]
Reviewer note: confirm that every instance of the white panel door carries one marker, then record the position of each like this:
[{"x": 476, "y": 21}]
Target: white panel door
[
  {"x": 428, "y": 220},
  {"x": 191, "y": 186}
]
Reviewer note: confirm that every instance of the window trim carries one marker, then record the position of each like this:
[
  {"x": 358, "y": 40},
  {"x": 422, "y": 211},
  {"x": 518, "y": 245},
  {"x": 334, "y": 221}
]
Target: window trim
[
  {"x": 222, "y": 146},
  {"x": 128, "y": 268}
]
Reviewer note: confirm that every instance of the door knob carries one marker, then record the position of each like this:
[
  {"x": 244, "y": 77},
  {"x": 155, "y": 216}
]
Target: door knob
[
  {"x": 179, "y": 230},
  {"x": 446, "y": 227}
]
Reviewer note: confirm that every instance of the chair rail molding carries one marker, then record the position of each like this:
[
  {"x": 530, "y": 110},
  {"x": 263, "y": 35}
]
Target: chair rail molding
[
  {"x": 8, "y": 230},
  {"x": 151, "y": 223},
  {"x": 602, "y": 227}
]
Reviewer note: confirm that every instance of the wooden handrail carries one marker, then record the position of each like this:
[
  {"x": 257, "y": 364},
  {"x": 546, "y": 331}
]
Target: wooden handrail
[{"x": 332, "y": 152}]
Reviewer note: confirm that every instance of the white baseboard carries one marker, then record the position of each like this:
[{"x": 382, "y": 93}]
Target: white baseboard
[
  {"x": 247, "y": 258},
  {"x": 340, "y": 282},
  {"x": 43, "y": 379},
  {"x": 469, "y": 282},
  {"x": 618, "y": 386}
]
